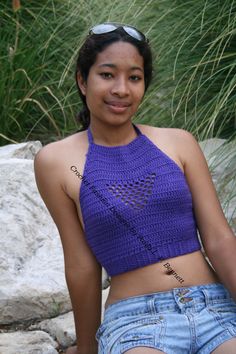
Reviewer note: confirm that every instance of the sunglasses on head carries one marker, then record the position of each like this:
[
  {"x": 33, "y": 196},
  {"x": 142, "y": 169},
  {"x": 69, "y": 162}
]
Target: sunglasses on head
[{"x": 112, "y": 26}]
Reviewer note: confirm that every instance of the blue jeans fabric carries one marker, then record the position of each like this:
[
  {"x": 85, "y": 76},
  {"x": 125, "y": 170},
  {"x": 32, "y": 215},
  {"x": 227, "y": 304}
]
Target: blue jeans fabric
[{"x": 183, "y": 320}]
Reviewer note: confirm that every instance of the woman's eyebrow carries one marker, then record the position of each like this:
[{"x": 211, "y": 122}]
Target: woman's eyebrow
[{"x": 110, "y": 65}]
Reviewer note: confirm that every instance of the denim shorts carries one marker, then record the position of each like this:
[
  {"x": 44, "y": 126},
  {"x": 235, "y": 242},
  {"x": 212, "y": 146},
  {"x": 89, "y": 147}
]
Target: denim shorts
[{"x": 185, "y": 320}]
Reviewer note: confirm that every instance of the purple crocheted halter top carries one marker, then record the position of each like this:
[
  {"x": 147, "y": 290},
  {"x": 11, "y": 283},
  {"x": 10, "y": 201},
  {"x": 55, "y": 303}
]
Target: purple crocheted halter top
[{"x": 136, "y": 205}]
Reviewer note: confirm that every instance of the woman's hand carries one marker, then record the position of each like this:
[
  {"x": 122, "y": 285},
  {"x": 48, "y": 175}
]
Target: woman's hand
[{"x": 72, "y": 350}]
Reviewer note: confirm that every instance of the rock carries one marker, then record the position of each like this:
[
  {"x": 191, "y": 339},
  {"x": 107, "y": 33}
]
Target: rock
[
  {"x": 21, "y": 151},
  {"x": 62, "y": 328},
  {"x": 104, "y": 298},
  {"x": 210, "y": 146},
  {"x": 221, "y": 159},
  {"x": 37, "y": 342},
  {"x": 32, "y": 281},
  {"x": 105, "y": 279}
]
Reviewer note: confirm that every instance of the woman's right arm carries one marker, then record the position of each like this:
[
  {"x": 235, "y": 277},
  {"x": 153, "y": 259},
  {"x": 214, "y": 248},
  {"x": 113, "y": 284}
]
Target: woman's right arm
[{"x": 82, "y": 271}]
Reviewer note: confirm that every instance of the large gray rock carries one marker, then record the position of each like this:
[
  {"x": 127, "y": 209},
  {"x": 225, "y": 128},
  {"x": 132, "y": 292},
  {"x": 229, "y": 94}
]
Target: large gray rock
[
  {"x": 20, "y": 151},
  {"x": 32, "y": 281},
  {"x": 37, "y": 342}
]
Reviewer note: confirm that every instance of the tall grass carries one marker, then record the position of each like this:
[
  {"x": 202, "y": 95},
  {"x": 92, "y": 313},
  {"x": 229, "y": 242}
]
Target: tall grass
[
  {"x": 197, "y": 65},
  {"x": 194, "y": 58},
  {"x": 34, "y": 47},
  {"x": 39, "y": 44}
]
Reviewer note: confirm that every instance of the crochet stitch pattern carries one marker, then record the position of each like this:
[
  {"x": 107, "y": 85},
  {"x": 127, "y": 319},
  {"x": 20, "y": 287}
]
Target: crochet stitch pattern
[
  {"x": 134, "y": 193},
  {"x": 148, "y": 191}
]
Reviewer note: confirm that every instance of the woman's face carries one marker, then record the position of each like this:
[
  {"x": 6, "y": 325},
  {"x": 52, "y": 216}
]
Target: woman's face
[{"x": 115, "y": 84}]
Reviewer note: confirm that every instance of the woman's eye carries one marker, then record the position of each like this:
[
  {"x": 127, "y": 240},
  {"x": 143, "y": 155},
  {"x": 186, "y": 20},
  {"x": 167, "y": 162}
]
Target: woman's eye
[
  {"x": 106, "y": 75},
  {"x": 135, "y": 78}
]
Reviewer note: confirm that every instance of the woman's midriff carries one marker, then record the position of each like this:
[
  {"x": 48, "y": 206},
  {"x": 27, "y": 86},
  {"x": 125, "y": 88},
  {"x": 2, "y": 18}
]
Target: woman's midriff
[{"x": 187, "y": 270}]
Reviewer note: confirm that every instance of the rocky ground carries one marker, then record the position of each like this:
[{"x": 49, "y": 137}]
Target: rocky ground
[{"x": 48, "y": 336}]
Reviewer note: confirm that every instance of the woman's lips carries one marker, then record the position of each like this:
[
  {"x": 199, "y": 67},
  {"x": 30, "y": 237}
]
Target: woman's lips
[{"x": 117, "y": 107}]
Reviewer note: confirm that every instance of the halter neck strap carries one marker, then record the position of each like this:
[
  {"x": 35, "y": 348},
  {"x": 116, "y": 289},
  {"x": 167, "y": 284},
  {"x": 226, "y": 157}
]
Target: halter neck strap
[{"x": 90, "y": 136}]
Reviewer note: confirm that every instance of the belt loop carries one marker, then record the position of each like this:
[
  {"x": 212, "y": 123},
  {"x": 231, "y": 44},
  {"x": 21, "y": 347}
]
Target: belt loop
[
  {"x": 151, "y": 305},
  {"x": 207, "y": 299}
]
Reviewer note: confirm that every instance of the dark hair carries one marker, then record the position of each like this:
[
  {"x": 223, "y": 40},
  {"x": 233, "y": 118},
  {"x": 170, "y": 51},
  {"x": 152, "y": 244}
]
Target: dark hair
[{"x": 95, "y": 44}]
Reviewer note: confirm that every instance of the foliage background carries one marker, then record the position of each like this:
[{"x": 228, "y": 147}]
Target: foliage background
[{"x": 194, "y": 50}]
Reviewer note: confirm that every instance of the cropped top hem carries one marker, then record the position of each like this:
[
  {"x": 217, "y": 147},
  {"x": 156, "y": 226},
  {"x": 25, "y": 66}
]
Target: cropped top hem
[
  {"x": 136, "y": 205},
  {"x": 132, "y": 262}
]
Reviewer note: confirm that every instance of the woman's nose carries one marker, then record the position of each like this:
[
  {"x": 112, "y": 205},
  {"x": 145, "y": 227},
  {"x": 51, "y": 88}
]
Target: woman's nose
[{"x": 120, "y": 87}]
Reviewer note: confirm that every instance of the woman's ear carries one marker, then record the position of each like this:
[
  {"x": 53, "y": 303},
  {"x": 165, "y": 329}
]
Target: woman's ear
[{"x": 81, "y": 83}]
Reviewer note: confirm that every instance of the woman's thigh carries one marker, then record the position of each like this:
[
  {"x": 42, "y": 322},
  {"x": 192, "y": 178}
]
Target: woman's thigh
[
  {"x": 143, "y": 350},
  {"x": 228, "y": 347}
]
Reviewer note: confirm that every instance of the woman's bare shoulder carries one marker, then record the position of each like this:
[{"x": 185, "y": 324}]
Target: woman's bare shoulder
[
  {"x": 172, "y": 140},
  {"x": 167, "y": 133},
  {"x": 56, "y": 151}
]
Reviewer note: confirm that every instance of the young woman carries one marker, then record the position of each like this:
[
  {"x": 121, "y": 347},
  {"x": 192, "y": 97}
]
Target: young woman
[{"x": 130, "y": 198}]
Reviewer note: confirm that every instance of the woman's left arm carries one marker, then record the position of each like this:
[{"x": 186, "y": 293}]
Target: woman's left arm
[{"x": 217, "y": 237}]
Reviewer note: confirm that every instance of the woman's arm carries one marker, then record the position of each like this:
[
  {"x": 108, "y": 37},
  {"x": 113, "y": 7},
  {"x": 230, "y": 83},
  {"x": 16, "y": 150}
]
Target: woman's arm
[
  {"x": 217, "y": 237},
  {"x": 83, "y": 273}
]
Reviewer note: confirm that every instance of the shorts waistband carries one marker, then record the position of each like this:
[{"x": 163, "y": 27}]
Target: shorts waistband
[{"x": 205, "y": 293}]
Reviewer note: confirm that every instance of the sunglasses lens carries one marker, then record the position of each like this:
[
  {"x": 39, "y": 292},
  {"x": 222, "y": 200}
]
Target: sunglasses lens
[
  {"x": 134, "y": 33},
  {"x": 103, "y": 28}
]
